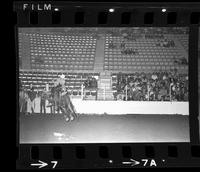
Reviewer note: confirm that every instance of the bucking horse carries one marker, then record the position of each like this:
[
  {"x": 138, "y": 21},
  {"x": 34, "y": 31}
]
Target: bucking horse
[{"x": 62, "y": 102}]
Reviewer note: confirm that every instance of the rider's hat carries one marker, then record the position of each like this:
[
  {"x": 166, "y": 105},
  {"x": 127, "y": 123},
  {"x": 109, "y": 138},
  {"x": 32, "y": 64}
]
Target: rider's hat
[{"x": 62, "y": 76}]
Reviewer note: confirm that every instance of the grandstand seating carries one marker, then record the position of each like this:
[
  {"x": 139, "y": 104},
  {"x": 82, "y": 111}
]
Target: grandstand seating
[
  {"x": 45, "y": 53},
  {"x": 183, "y": 38},
  {"x": 150, "y": 56},
  {"x": 40, "y": 78},
  {"x": 54, "y": 51}
]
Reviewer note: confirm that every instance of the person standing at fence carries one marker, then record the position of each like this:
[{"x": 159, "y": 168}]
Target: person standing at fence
[
  {"x": 43, "y": 101},
  {"x": 31, "y": 99},
  {"x": 23, "y": 98}
]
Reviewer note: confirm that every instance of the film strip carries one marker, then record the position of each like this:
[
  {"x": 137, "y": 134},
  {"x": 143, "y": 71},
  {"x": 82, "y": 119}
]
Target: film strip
[{"x": 38, "y": 25}]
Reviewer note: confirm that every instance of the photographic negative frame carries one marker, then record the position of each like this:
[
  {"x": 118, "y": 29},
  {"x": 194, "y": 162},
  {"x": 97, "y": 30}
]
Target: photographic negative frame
[{"x": 114, "y": 155}]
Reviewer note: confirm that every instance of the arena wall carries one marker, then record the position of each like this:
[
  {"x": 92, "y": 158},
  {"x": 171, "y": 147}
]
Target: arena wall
[
  {"x": 130, "y": 107},
  {"x": 125, "y": 107}
]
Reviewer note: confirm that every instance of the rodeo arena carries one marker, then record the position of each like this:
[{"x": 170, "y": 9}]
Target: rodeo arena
[{"x": 103, "y": 85}]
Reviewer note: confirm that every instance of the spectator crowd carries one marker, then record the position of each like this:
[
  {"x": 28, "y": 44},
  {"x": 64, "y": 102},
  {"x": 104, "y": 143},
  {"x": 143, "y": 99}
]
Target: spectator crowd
[
  {"x": 158, "y": 86},
  {"x": 133, "y": 35},
  {"x": 165, "y": 43}
]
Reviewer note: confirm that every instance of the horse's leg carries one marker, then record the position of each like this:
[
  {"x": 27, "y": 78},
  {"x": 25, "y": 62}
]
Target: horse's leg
[
  {"x": 65, "y": 113},
  {"x": 64, "y": 103},
  {"x": 68, "y": 110},
  {"x": 72, "y": 111},
  {"x": 70, "y": 107},
  {"x": 64, "y": 109},
  {"x": 67, "y": 107},
  {"x": 68, "y": 113}
]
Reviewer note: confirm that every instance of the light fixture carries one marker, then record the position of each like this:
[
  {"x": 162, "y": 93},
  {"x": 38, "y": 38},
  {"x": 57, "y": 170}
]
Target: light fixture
[
  {"x": 164, "y": 10},
  {"x": 111, "y": 10}
]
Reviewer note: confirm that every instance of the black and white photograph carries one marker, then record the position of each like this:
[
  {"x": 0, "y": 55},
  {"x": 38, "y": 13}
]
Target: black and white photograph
[{"x": 103, "y": 84}]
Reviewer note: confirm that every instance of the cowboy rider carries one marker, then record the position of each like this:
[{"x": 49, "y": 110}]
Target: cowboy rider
[{"x": 59, "y": 86}]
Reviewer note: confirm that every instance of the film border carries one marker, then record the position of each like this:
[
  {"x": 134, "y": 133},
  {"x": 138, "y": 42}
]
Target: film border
[{"x": 140, "y": 14}]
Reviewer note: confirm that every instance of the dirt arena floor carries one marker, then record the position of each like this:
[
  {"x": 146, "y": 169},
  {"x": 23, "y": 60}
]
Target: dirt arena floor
[{"x": 52, "y": 128}]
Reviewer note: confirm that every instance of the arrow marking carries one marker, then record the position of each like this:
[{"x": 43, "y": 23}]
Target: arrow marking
[
  {"x": 41, "y": 164},
  {"x": 132, "y": 162}
]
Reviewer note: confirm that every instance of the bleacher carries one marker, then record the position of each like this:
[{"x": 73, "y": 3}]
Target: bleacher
[
  {"x": 183, "y": 38},
  {"x": 54, "y": 51},
  {"x": 40, "y": 78},
  {"x": 149, "y": 57},
  {"x": 46, "y": 53}
]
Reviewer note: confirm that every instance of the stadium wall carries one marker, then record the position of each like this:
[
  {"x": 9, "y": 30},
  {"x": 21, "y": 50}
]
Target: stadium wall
[
  {"x": 130, "y": 107},
  {"x": 124, "y": 107}
]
